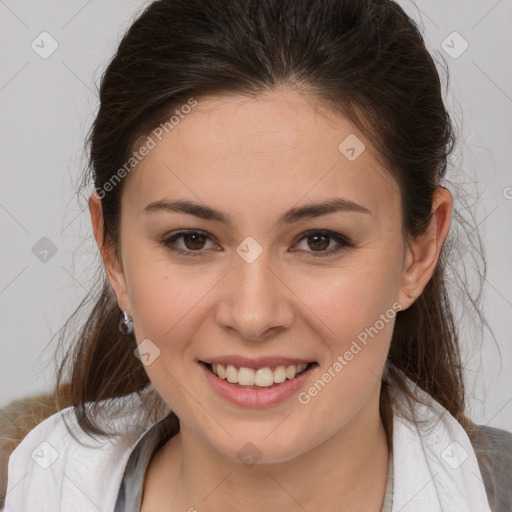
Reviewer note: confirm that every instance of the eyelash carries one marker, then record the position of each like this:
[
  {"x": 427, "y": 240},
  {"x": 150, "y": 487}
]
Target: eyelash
[{"x": 343, "y": 242}]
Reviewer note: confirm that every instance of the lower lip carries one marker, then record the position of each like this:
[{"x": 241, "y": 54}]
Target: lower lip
[{"x": 247, "y": 397}]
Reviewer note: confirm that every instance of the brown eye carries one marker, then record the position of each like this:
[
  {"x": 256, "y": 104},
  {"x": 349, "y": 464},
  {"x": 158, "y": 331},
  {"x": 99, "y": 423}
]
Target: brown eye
[
  {"x": 188, "y": 243},
  {"x": 323, "y": 243},
  {"x": 194, "y": 241},
  {"x": 318, "y": 242}
]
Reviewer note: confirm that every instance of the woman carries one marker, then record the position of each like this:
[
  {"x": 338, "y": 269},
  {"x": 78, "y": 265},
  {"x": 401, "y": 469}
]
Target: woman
[{"x": 270, "y": 211}]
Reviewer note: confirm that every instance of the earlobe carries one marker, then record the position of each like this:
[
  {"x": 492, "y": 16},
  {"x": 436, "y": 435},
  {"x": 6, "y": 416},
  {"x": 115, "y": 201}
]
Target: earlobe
[
  {"x": 422, "y": 253},
  {"x": 112, "y": 266}
]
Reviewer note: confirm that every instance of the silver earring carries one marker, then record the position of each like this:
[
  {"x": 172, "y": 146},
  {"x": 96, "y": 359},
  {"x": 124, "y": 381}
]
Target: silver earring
[{"x": 125, "y": 323}]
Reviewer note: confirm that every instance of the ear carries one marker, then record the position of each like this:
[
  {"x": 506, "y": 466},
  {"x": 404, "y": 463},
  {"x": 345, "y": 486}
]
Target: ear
[
  {"x": 113, "y": 266},
  {"x": 422, "y": 253}
]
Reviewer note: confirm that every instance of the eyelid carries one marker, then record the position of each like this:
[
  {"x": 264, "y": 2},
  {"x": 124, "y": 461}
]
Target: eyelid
[
  {"x": 175, "y": 235},
  {"x": 343, "y": 242}
]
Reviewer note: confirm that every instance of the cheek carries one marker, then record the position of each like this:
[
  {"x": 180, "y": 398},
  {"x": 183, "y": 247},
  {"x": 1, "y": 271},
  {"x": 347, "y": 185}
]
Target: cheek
[
  {"x": 161, "y": 296},
  {"x": 344, "y": 302},
  {"x": 358, "y": 311},
  {"x": 166, "y": 305}
]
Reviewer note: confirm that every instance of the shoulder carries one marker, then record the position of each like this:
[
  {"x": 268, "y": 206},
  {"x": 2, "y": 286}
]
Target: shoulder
[
  {"x": 493, "y": 438},
  {"x": 58, "y": 466},
  {"x": 493, "y": 449}
]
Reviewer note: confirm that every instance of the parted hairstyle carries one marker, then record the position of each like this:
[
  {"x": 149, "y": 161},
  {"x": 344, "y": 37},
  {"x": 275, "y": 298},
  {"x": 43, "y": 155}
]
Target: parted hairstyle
[{"x": 367, "y": 60}]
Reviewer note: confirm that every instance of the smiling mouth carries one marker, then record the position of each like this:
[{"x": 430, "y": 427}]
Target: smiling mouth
[{"x": 259, "y": 378}]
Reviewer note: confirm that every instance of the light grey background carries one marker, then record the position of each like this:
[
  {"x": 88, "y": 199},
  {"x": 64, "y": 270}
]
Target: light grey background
[{"x": 48, "y": 104}]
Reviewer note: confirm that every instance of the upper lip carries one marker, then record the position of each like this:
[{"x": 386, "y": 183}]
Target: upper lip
[{"x": 255, "y": 362}]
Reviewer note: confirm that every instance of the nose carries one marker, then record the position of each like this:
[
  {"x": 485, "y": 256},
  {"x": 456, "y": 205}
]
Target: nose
[{"x": 255, "y": 301}]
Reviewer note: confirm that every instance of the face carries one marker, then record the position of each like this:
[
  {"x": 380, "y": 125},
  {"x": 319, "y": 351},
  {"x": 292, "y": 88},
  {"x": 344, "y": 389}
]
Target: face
[{"x": 262, "y": 279}]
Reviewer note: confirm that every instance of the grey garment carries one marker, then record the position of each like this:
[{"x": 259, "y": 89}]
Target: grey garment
[
  {"x": 493, "y": 449},
  {"x": 130, "y": 492},
  {"x": 388, "y": 496}
]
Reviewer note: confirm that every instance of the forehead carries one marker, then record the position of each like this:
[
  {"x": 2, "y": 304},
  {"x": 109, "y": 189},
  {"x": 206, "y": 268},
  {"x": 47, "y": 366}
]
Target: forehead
[{"x": 272, "y": 149}]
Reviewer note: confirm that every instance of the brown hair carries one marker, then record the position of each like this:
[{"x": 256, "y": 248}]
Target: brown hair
[{"x": 368, "y": 60}]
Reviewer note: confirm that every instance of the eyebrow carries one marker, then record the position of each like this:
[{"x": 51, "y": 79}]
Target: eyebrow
[{"x": 293, "y": 215}]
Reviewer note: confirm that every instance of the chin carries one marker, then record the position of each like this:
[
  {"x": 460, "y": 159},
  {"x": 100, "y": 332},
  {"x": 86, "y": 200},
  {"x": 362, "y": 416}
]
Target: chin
[{"x": 257, "y": 446}]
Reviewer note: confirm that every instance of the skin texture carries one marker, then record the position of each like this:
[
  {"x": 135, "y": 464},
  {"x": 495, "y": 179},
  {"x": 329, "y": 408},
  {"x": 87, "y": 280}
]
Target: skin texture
[{"x": 254, "y": 158}]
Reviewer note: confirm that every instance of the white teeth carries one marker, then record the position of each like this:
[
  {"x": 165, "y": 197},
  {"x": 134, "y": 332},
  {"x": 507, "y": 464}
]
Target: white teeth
[
  {"x": 246, "y": 377},
  {"x": 221, "y": 371},
  {"x": 263, "y": 377},
  {"x": 291, "y": 371},
  {"x": 231, "y": 374},
  {"x": 280, "y": 374}
]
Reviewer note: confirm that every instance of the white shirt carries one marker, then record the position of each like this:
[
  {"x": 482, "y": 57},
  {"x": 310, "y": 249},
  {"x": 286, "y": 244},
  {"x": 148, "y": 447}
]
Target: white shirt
[{"x": 435, "y": 470}]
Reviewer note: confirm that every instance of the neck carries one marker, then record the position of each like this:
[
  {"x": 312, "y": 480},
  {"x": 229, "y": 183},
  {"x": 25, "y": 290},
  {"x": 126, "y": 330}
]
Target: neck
[{"x": 349, "y": 468}]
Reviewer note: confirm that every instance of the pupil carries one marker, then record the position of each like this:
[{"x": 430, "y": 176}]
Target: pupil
[
  {"x": 325, "y": 243},
  {"x": 195, "y": 243}
]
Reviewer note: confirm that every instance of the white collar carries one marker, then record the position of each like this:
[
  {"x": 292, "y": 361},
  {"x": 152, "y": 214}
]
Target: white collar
[{"x": 435, "y": 466}]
